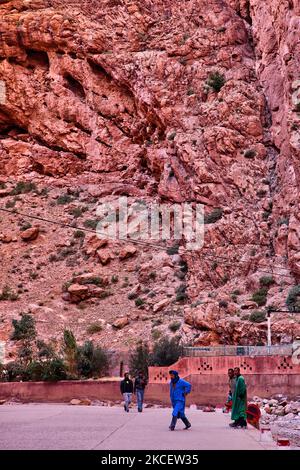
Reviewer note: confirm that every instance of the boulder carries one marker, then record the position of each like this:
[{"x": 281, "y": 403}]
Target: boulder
[
  {"x": 75, "y": 401},
  {"x": 104, "y": 256},
  {"x": 30, "y": 234},
  {"x": 127, "y": 252},
  {"x": 121, "y": 322},
  {"x": 160, "y": 305},
  {"x": 78, "y": 292}
]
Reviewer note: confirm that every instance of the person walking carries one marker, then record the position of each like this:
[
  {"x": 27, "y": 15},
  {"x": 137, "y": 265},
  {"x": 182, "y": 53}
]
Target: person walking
[
  {"x": 139, "y": 389},
  {"x": 232, "y": 384},
  {"x": 179, "y": 389},
  {"x": 126, "y": 387},
  {"x": 239, "y": 401}
]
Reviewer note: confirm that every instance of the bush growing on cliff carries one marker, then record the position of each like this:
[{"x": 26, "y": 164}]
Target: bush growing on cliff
[
  {"x": 293, "y": 299},
  {"x": 8, "y": 294},
  {"x": 216, "y": 81},
  {"x": 23, "y": 187},
  {"x": 139, "y": 359},
  {"x": 181, "y": 294},
  {"x": 214, "y": 216},
  {"x": 174, "y": 326},
  {"x": 166, "y": 352},
  {"x": 260, "y": 296},
  {"x": 257, "y": 317},
  {"x": 266, "y": 281},
  {"x": 24, "y": 329}
]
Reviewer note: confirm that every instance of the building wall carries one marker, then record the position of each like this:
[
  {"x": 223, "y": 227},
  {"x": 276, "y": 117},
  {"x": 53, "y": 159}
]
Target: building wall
[{"x": 219, "y": 365}]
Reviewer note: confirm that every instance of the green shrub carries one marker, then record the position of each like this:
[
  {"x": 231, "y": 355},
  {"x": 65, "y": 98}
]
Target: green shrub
[
  {"x": 92, "y": 361},
  {"x": 24, "y": 328},
  {"x": 96, "y": 280},
  {"x": 132, "y": 296},
  {"x": 245, "y": 317},
  {"x": 15, "y": 371},
  {"x": 266, "y": 281},
  {"x": 79, "y": 234},
  {"x": 8, "y": 294},
  {"x": 216, "y": 81},
  {"x": 165, "y": 352},
  {"x": 94, "y": 328},
  {"x": 25, "y": 226},
  {"x": 139, "y": 360},
  {"x": 260, "y": 296},
  {"x": 23, "y": 187},
  {"x": 139, "y": 302},
  {"x": 181, "y": 294},
  {"x": 250, "y": 153},
  {"x": 44, "y": 350},
  {"x": 54, "y": 370},
  {"x": 156, "y": 334},
  {"x": 174, "y": 326},
  {"x": 214, "y": 216},
  {"x": 257, "y": 317},
  {"x": 70, "y": 350},
  {"x": 293, "y": 299},
  {"x": 91, "y": 224},
  {"x": 64, "y": 199},
  {"x": 173, "y": 250},
  {"x": 78, "y": 211},
  {"x": 114, "y": 279}
]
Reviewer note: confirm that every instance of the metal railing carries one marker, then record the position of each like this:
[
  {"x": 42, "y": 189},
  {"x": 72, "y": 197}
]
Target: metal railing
[{"x": 280, "y": 350}]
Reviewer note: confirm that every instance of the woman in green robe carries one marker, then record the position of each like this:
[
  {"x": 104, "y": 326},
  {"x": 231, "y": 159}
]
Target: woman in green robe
[{"x": 239, "y": 402}]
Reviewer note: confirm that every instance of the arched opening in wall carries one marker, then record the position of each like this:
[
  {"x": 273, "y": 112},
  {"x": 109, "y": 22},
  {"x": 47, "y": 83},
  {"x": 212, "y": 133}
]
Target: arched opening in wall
[
  {"x": 37, "y": 59},
  {"x": 74, "y": 85}
]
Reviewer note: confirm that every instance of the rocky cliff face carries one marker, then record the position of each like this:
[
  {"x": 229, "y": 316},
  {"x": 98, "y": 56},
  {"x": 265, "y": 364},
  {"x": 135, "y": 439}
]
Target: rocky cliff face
[{"x": 158, "y": 102}]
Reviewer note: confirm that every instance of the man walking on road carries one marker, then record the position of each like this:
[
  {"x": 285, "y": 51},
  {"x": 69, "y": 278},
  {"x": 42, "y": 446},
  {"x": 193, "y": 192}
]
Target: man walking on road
[
  {"x": 179, "y": 389},
  {"x": 139, "y": 388},
  {"x": 126, "y": 387},
  {"x": 239, "y": 401}
]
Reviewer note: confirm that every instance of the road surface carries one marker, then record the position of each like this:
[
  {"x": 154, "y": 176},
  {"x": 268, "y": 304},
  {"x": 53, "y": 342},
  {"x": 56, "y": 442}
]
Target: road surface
[{"x": 66, "y": 427}]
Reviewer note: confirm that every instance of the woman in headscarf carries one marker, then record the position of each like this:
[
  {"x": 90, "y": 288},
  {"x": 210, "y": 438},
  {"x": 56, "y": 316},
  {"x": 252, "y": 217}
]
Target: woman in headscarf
[{"x": 179, "y": 389}]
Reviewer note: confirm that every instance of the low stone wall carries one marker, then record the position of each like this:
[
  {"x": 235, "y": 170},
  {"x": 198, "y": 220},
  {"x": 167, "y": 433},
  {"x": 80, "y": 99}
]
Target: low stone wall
[{"x": 206, "y": 389}]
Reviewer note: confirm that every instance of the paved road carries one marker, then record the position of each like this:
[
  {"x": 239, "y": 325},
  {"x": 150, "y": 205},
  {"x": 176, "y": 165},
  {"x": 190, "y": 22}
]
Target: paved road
[{"x": 65, "y": 427}]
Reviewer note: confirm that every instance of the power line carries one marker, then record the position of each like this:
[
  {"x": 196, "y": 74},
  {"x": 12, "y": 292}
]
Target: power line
[{"x": 139, "y": 242}]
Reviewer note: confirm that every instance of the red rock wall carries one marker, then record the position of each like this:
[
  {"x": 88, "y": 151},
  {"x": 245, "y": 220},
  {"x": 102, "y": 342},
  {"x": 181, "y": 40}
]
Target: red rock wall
[{"x": 112, "y": 98}]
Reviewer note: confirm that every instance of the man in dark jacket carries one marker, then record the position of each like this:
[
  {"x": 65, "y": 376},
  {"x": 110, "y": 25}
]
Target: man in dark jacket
[
  {"x": 126, "y": 387},
  {"x": 139, "y": 388}
]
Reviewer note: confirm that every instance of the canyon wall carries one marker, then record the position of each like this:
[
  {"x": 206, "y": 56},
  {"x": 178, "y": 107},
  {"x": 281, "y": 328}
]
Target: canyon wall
[{"x": 160, "y": 101}]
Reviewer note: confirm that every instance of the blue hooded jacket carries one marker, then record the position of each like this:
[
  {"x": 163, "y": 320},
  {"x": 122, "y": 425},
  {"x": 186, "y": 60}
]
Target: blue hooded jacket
[{"x": 178, "y": 387}]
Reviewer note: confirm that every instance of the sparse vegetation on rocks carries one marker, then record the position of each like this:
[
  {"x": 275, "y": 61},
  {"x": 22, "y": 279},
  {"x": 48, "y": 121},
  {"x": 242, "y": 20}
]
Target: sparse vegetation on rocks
[
  {"x": 293, "y": 299},
  {"x": 216, "y": 81},
  {"x": 257, "y": 317}
]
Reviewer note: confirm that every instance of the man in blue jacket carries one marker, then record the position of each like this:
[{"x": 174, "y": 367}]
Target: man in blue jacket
[{"x": 179, "y": 389}]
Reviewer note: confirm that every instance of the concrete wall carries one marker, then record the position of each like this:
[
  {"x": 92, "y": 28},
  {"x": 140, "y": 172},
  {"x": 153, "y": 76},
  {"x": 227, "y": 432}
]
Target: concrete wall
[
  {"x": 211, "y": 389},
  {"x": 219, "y": 365}
]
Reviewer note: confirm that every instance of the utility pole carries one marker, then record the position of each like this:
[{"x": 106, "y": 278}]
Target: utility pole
[{"x": 269, "y": 329}]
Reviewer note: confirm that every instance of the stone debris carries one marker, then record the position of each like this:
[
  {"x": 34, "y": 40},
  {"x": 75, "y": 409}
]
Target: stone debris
[{"x": 283, "y": 417}]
